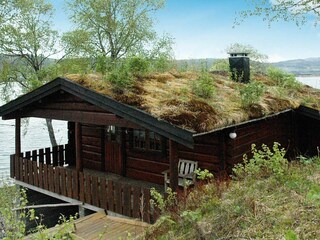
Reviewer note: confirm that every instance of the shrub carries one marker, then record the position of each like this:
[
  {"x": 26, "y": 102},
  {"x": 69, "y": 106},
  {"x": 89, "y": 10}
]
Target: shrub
[
  {"x": 221, "y": 65},
  {"x": 138, "y": 65},
  {"x": 11, "y": 226},
  {"x": 263, "y": 163},
  {"x": 283, "y": 79},
  {"x": 120, "y": 78},
  {"x": 203, "y": 174},
  {"x": 251, "y": 93},
  {"x": 162, "y": 64},
  {"x": 203, "y": 86},
  {"x": 163, "y": 204},
  {"x": 273, "y": 207},
  {"x": 101, "y": 64}
]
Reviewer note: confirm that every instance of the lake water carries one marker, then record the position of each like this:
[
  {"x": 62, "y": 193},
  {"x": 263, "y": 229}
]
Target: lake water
[
  {"x": 313, "y": 81},
  {"x": 36, "y": 135}
]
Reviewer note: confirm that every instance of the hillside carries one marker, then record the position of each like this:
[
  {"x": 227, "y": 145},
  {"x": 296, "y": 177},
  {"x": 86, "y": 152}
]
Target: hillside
[
  {"x": 309, "y": 66},
  {"x": 275, "y": 200}
]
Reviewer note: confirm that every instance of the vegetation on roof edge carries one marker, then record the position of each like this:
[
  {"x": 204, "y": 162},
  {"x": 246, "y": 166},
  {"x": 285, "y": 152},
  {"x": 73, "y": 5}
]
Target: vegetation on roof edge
[{"x": 202, "y": 101}]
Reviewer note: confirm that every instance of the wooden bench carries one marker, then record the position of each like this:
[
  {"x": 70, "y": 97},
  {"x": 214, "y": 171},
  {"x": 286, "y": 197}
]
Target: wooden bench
[{"x": 186, "y": 172}]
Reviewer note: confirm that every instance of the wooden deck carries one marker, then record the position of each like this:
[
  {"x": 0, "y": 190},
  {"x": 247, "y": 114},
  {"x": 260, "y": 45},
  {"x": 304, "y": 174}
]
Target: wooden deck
[
  {"x": 48, "y": 169},
  {"x": 101, "y": 226}
]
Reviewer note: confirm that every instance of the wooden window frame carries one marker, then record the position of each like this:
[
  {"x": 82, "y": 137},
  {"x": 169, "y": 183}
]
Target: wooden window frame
[{"x": 147, "y": 146}]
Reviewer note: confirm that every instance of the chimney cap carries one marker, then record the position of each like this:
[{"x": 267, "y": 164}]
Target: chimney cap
[{"x": 238, "y": 54}]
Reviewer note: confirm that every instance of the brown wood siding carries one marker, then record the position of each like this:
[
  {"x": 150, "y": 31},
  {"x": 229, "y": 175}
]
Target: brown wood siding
[
  {"x": 278, "y": 129},
  {"x": 66, "y": 101},
  {"x": 91, "y": 147},
  {"x": 146, "y": 165},
  {"x": 215, "y": 152},
  {"x": 206, "y": 152}
]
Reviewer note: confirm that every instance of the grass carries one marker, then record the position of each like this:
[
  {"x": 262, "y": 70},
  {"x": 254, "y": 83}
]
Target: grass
[
  {"x": 254, "y": 205},
  {"x": 173, "y": 97}
]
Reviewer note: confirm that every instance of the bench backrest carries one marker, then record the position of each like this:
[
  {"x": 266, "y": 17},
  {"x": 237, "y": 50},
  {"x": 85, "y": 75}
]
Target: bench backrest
[{"x": 187, "y": 166}]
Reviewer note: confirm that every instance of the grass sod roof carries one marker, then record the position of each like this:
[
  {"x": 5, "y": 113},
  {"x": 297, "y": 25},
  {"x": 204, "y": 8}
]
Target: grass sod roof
[{"x": 170, "y": 96}]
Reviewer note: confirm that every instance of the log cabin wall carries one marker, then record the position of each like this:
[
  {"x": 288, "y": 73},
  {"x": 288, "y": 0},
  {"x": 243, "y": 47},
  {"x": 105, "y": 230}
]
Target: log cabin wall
[
  {"x": 308, "y": 135},
  {"x": 92, "y": 146},
  {"x": 279, "y": 129},
  {"x": 207, "y": 152},
  {"x": 215, "y": 152},
  {"x": 146, "y": 165},
  {"x": 149, "y": 165},
  {"x": 218, "y": 153}
]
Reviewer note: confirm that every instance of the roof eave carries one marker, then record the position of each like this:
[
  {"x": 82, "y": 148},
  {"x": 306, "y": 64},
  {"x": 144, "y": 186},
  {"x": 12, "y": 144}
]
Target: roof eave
[
  {"x": 309, "y": 112},
  {"x": 241, "y": 123}
]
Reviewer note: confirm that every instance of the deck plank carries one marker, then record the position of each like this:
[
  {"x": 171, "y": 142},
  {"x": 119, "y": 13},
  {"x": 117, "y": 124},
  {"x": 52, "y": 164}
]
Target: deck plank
[{"x": 94, "y": 225}]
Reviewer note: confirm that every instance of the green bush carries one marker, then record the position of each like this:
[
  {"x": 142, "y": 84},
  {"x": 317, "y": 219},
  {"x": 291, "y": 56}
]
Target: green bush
[
  {"x": 163, "y": 204},
  {"x": 138, "y": 65},
  {"x": 263, "y": 163},
  {"x": 251, "y": 93},
  {"x": 203, "y": 174},
  {"x": 203, "y": 87},
  {"x": 221, "y": 65},
  {"x": 120, "y": 78},
  {"x": 162, "y": 64},
  {"x": 282, "y": 78}
]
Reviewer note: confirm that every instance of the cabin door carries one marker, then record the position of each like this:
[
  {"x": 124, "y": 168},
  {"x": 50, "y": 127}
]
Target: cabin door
[{"x": 113, "y": 153}]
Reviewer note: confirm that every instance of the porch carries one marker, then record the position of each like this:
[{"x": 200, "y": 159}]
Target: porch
[{"x": 49, "y": 169}]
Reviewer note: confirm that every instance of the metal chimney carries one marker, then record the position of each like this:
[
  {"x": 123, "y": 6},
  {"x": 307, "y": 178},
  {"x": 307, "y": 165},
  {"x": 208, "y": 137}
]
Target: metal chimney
[{"x": 239, "y": 63}]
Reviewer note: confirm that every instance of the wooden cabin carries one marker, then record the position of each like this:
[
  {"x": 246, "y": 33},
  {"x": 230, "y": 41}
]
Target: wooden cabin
[{"x": 116, "y": 152}]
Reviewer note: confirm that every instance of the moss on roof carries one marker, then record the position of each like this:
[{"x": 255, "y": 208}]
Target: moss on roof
[{"x": 169, "y": 96}]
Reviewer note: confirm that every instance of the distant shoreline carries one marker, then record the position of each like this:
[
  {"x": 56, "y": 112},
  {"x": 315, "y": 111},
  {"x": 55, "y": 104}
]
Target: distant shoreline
[{"x": 307, "y": 75}]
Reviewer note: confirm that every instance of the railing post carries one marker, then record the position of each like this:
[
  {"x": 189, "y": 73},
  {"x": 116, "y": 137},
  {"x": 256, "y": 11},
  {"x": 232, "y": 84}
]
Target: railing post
[
  {"x": 78, "y": 137},
  {"x": 12, "y": 166},
  {"x": 18, "y": 137}
]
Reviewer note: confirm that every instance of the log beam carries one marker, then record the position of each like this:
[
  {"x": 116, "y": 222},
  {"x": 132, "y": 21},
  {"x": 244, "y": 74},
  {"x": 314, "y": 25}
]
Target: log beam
[
  {"x": 97, "y": 118},
  {"x": 79, "y": 164},
  {"x": 173, "y": 159},
  {"x": 18, "y": 137}
]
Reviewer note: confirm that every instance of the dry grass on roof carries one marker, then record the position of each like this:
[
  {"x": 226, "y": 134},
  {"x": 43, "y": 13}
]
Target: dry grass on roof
[{"x": 169, "y": 96}]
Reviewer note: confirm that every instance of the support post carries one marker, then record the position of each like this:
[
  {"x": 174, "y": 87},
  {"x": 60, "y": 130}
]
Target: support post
[
  {"x": 18, "y": 137},
  {"x": 123, "y": 143},
  {"x": 78, "y": 136},
  {"x": 81, "y": 211},
  {"x": 173, "y": 159}
]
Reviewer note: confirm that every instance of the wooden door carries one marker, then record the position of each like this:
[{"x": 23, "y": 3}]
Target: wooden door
[{"x": 113, "y": 158}]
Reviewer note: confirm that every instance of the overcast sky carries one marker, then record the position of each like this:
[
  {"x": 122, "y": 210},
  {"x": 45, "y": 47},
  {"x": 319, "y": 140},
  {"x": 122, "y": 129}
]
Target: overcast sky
[{"x": 204, "y": 29}]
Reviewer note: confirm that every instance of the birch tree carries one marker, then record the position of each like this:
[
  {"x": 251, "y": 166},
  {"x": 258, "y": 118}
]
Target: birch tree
[
  {"x": 298, "y": 11},
  {"x": 27, "y": 42},
  {"x": 111, "y": 28}
]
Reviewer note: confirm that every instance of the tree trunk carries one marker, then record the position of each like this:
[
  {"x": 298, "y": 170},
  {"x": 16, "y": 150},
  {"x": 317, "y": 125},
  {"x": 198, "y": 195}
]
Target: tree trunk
[{"x": 51, "y": 132}]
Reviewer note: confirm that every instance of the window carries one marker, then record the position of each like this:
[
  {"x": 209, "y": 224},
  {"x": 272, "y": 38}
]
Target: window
[
  {"x": 139, "y": 138},
  {"x": 154, "y": 141},
  {"x": 146, "y": 140},
  {"x": 112, "y": 133}
]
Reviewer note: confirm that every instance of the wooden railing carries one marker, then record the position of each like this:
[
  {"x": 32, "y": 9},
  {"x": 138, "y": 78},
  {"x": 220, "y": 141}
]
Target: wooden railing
[
  {"x": 55, "y": 156},
  {"x": 122, "y": 198}
]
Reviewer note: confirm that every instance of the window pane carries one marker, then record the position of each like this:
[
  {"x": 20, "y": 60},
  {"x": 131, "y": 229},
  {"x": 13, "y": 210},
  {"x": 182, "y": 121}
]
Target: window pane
[{"x": 139, "y": 138}]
